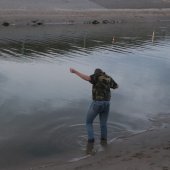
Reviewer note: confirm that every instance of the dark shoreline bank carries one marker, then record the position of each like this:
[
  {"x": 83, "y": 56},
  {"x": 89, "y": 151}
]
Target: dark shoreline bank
[{"x": 97, "y": 16}]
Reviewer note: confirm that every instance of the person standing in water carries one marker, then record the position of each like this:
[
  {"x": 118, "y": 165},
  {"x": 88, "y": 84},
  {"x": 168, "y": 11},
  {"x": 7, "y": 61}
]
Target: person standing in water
[{"x": 101, "y": 94}]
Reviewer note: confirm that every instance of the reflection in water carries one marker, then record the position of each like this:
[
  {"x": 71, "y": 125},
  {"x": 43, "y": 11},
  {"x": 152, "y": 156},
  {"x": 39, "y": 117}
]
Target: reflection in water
[{"x": 42, "y": 106}]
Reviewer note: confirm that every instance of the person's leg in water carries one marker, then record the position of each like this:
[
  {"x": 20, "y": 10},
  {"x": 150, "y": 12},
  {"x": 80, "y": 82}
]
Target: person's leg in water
[
  {"x": 103, "y": 116},
  {"x": 91, "y": 115}
]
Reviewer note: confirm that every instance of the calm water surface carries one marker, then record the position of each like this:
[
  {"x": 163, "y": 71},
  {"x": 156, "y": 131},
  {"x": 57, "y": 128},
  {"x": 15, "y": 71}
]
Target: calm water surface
[{"x": 43, "y": 106}]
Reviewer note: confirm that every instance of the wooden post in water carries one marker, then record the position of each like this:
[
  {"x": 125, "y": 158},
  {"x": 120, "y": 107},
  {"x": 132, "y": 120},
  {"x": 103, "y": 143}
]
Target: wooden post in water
[
  {"x": 113, "y": 40},
  {"x": 84, "y": 41},
  {"x": 153, "y": 36},
  {"x": 23, "y": 48}
]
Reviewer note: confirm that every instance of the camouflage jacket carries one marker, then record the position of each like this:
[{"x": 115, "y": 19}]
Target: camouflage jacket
[{"x": 101, "y": 86}]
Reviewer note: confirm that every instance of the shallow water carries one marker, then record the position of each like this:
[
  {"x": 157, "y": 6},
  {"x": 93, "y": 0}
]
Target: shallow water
[{"x": 43, "y": 106}]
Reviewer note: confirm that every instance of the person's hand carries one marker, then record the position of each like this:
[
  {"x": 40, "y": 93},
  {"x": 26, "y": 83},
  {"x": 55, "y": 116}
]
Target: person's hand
[{"x": 72, "y": 70}]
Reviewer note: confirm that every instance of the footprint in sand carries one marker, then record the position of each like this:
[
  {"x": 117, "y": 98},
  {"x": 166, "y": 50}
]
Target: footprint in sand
[
  {"x": 138, "y": 155},
  {"x": 156, "y": 151},
  {"x": 165, "y": 168},
  {"x": 141, "y": 155},
  {"x": 166, "y": 148}
]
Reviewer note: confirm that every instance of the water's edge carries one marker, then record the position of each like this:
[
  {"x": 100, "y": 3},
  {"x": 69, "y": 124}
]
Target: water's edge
[{"x": 98, "y": 16}]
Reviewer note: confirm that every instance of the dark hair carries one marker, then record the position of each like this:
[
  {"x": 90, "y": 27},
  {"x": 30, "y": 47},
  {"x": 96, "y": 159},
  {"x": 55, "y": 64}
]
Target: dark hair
[{"x": 98, "y": 71}]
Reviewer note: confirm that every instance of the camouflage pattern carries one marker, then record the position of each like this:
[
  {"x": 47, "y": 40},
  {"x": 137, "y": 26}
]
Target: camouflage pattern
[{"x": 101, "y": 86}]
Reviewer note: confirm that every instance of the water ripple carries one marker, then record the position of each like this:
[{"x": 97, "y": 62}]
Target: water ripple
[{"x": 71, "y": 45}]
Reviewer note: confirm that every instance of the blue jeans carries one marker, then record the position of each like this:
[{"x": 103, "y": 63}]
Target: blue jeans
[{"x": 100, "y": 108}]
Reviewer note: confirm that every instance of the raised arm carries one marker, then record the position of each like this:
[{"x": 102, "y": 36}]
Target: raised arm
[{"x": 81, "y": 75}]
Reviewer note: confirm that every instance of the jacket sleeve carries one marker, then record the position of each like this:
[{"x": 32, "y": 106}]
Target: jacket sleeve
[
  {"x": 92, "y": 79},
  {"x": 113, "y": 84}
]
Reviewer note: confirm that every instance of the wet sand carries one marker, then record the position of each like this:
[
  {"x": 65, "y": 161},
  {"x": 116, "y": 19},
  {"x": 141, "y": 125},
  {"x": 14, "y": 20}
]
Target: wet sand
[{"x": 148, "y": 150}]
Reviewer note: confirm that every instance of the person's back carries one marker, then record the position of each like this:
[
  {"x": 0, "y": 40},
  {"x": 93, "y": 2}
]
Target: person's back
[{"x": 101, "y": 86}]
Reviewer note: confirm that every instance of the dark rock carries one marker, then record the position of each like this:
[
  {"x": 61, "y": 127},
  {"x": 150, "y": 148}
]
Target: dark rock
[
  {"x": 6, "y": 24},
  {"x": 106, "y": 22},
  {"x": 36, "y": 23},
  {"x": 95, "y": 22},
  {"x": 39, "y": 23}
]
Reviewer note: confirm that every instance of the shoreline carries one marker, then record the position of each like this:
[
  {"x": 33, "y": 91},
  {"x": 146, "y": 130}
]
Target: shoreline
[
  {"x": 148, "y": 150},
  {"x": 92, "y": 16}
]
